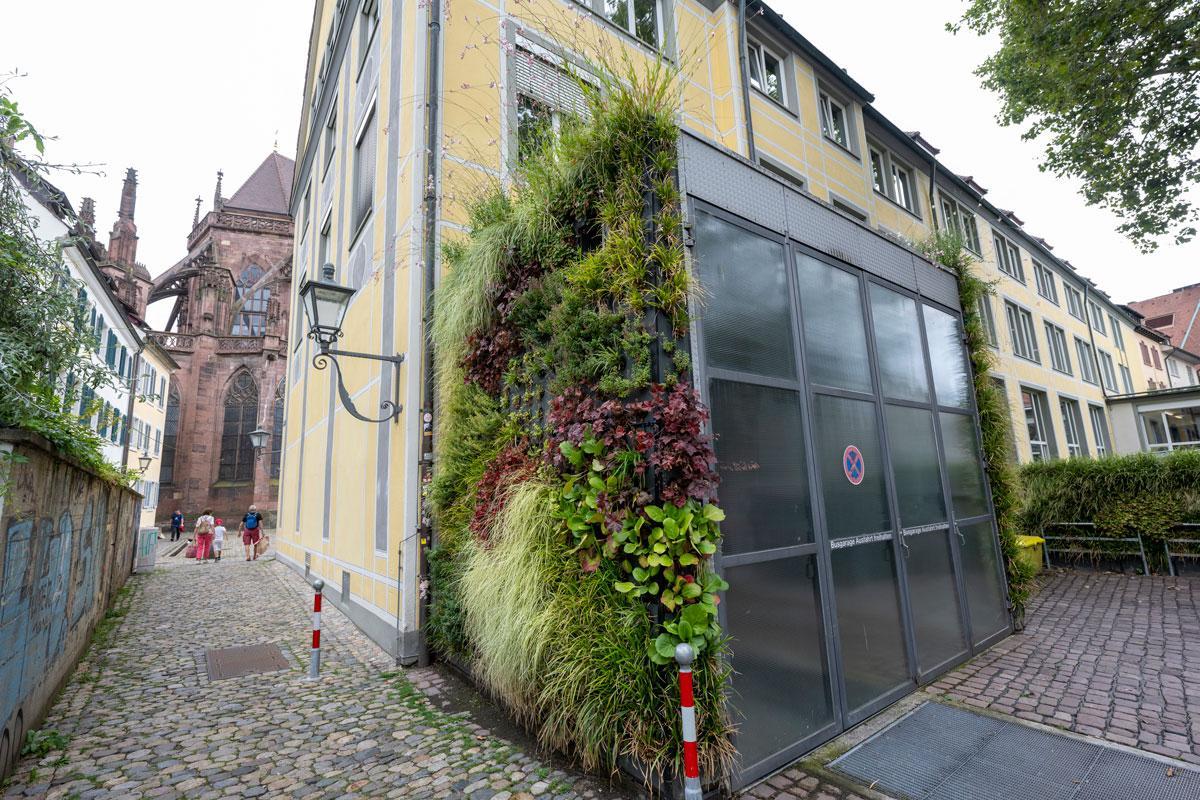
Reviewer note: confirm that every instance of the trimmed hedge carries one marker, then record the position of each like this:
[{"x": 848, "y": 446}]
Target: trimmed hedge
[{"x": 1122, "y": 495}]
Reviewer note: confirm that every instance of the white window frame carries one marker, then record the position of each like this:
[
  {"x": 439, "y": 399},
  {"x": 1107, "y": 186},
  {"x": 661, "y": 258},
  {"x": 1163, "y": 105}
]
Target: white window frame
[
  {"x": 1118, "y": 337},
  {"x": 1074, "y": 302},
  {"x": 1099, "y": 429},
  {"x": 1008, "y": 257},
  {"x": 989, "y": 320},
  {"x": 827, "y": 102},
  {"x": 1108, "y": 370},
  {"x": 369, "y": 119},
  {"x": 1088, "y": 367},
  {"x": 368, "y": 24},
  {"x": 1126, "y": 379},
  {"x": 1060, "y": 356},
  {"x": 1041, "y": 448},
  {"x": 757, "y": 53},
  {"x": 889, "y": 168},
  {"x": 1097, "y": 318},
  {"x": 1022, "y": 331},
  {"x": 330, "y": 137},
  {"x": 1046, "y": 286},
  {"x": 630, "y": 26},
  {"x": 956, "y": 217},
  {"x": 1072, "y": 427}
]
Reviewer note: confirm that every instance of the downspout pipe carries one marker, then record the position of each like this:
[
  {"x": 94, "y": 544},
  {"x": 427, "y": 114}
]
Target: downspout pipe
[
  {"x": 432, "y": 188},
  {"x": 744, "y": 62}
]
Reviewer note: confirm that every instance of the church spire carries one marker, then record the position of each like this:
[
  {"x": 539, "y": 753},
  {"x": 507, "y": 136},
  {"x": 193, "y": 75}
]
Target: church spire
[
  {"x": 122, "y": 241},
  {"x": 196, "y": 215},
  {"x": 87, "y": 214},
  {"x": 218, "y": 201}
]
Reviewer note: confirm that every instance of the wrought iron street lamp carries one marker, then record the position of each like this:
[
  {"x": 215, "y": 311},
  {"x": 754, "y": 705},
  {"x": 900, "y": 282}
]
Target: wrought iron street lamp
[
  {"x": 258, "y": 439},
  {"x": 325, "y": 304},
  {"x": 144, "y": 461}
]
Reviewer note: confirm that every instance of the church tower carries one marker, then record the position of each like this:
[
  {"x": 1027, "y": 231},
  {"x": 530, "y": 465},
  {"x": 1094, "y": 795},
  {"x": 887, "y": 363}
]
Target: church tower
[{"x": 132, "y": 280}]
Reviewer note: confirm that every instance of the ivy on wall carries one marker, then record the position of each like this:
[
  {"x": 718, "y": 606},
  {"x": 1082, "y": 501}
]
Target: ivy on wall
[{"x": 574, "y": 490}]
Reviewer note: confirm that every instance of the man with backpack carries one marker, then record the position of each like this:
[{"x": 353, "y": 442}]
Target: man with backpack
[{"x": 251, "y": 530}]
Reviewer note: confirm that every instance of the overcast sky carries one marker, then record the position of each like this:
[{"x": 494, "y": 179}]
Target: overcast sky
[{"x": 178, "y": 96}]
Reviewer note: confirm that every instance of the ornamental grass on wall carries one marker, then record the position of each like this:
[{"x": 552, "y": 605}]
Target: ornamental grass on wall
[{"x": 574, "y": 489}]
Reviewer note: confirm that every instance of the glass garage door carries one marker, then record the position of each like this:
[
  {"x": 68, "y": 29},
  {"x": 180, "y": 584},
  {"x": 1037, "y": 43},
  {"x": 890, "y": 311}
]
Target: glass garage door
[{"x": 858, "y": 544}]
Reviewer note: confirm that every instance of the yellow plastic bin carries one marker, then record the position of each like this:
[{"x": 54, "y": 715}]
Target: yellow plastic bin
[{"x": 1029, "y": 551}]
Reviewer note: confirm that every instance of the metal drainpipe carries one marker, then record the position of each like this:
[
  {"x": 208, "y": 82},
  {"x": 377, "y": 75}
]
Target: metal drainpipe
[
  {"x": 751, "y": 150},
  {"x": 1087, "y": 315},
  {"x": 425, "y": 464}
]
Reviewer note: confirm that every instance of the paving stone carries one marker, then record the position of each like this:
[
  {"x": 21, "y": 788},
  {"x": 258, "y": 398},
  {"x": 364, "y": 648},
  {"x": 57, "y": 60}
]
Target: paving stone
[{"x": 145, "y": 721}]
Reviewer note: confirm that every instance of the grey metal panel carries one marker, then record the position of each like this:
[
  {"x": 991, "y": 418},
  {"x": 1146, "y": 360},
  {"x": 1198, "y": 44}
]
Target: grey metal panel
[
  {"x": 942, "y": 753},
  {"x": 937, "y": 284},
  {"x": 726, "y": 182}
]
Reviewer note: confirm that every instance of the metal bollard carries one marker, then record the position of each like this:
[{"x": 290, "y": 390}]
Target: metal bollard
[
  {"x": 314, "y": 661},
  {"x": 691, "y": 762}
]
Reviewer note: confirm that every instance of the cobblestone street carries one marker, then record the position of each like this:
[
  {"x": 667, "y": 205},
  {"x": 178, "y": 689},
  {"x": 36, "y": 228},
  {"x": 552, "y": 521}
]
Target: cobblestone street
[
  {"x": 1105, "y": 655},
  {"x": 143, "y": 719}
]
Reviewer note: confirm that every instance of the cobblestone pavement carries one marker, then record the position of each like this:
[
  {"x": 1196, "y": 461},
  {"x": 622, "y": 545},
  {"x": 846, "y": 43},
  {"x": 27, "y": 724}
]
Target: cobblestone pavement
[
  {"x": 144, "y": 721},
  {"x": 1111, "y": 656}
]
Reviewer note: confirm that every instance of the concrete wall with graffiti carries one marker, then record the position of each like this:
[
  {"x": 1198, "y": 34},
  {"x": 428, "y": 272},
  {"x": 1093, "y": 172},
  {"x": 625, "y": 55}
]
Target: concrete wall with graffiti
[{"x": 66, "y": 548}]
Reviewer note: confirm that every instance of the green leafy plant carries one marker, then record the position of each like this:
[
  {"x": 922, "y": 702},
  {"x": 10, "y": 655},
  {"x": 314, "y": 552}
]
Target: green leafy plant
[{"x": 47, "y": 740}]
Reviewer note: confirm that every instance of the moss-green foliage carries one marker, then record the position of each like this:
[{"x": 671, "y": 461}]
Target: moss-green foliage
[
  {"x": 995, "y": 422},
  {"x": 1122, "y": 495},
  {"x": 555, "y": 286}
]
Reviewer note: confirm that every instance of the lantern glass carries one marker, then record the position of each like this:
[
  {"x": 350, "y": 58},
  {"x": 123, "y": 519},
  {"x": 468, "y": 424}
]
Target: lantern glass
[
  {"x": 258, "y": 438},
  {"x": 144, "y": 462},
  {"x": 325, "y": 304}
]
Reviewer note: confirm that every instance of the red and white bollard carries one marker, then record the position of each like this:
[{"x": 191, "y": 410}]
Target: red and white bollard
[
  {"x": 314, "y": 661},
  {"x": 687, "y": 706}
]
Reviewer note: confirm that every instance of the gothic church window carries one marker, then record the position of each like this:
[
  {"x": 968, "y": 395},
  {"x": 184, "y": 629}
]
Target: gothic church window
[
  {"x": 241, "y": 417},
  {"x": 251, "y": 320}
]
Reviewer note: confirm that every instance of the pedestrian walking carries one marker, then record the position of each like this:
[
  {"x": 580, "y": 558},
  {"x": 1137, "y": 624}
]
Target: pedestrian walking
[
  {"x": 204, "y": 535},
  {"x": 176, "y": 525},
  {"x": 218, "y": 538},
  {"x": 251, "y": 530}
]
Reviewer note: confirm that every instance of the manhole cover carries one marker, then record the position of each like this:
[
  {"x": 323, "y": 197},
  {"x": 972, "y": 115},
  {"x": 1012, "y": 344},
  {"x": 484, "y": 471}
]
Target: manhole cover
[
  {"x": 250, "y": 659},
  {"x": 943, "y": 753}
]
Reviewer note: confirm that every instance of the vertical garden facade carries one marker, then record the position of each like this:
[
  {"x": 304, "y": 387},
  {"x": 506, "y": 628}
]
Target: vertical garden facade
[{"x": 859, "y": 544}]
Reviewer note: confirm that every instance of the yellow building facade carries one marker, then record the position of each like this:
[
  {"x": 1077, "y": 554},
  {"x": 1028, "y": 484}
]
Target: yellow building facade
[
  {"x": 149, "y": 423},
  {"x": 413, "y": 109}
]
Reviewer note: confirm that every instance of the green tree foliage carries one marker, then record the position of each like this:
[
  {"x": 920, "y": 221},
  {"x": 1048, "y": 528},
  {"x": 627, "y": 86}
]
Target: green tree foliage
[
  {"x": 1113, "y": 88},
  {"x": 45, "y": 344}
]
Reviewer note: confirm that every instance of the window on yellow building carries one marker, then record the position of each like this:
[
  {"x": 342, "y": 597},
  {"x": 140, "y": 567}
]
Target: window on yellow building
[
  {"x": 1099, "y": 429},
  {"x": 1108, "y": 372},
  {"x": 1022, "y": 332},
  {"x": 766, "y": 71},
  {"x": 1097, "y": 318},
  {"x": 1060, "y": 357},
  {"x": 1072, "y": 427},
  {"x": 640, "y": 18},
  {"x": 835, "y": 120},
  {"x": 961, "y": 220},
  {"x": 1046, "y": 285},
  {"x": 1126, "y": 379},
  {"x": 1074, "y": 303},
  {"x": 1118, "y": 337},
  {"x": 330, "y": 138},
  {"x": 988, "y": 319},
  {"x": 364, "y": 172},
  {"x": 1008, "y": 257},
  {"x": 1037, "y": 424},
  {"x": 536, "y": 121},
  {"x": 893, "y": 178},
  {"x": 1087, "y": 360}
]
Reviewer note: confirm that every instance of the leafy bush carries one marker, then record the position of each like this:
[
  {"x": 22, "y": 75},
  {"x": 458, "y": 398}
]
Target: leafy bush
[{"x": 572, "y": 550}]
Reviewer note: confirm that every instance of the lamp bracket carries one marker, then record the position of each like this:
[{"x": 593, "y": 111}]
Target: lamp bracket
[{"x": 392, "y": 408}]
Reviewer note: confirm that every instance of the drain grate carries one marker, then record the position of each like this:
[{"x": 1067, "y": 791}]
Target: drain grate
[
  {"x": 251, "y": 659},
  {"x": 943, "y": 753}
]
